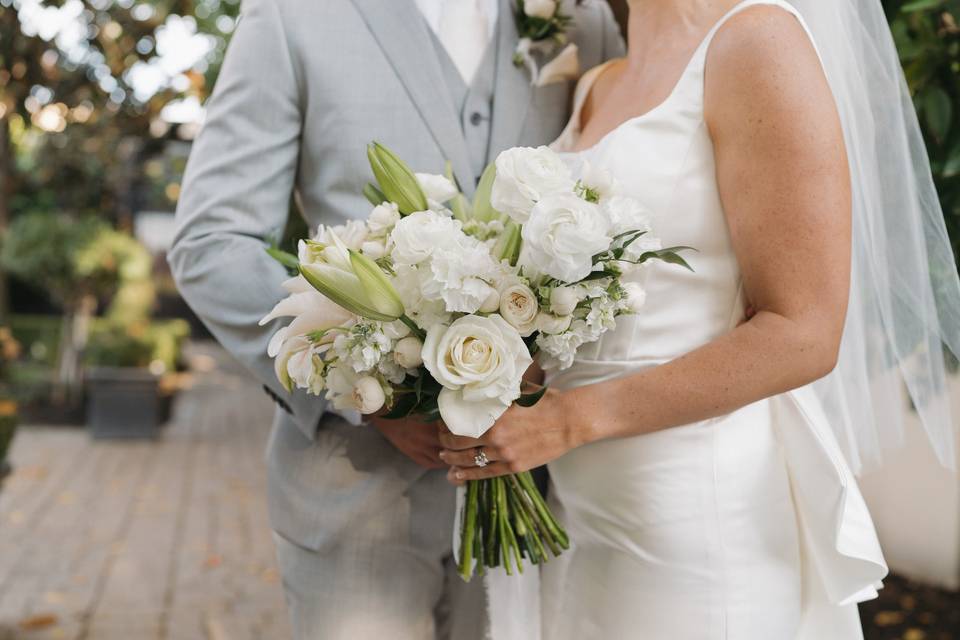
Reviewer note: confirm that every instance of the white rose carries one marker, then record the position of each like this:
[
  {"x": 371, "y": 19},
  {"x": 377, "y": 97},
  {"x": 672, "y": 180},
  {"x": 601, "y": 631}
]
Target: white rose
[
  {"x": 518, "y": 306},
  {"x": 563, "y": 300},
  {"x": 437, "y": 188},
  {"x": 373, "y": 249},
  {"x": 407, "y": 352},
  {"x": 636, "y": 296},
  {"x": 368, "y": 396},
  {"x": 524, "y": 177},
  {"x": 480, "y": 361},
  {"x": 561, "y": 237},
  {"x": 551, "y": 324},
  {"x": 540, "y": 8},
  {"x": 418, "y": 235},
  {"x": 383, "y": 218}
]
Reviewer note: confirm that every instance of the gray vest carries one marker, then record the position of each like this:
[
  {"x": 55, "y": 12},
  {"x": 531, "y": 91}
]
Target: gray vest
[{"x": 474, "y": 102}]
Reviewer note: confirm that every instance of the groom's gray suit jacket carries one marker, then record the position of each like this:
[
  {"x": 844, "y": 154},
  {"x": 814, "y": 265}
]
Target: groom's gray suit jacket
[{"x": 306, "y": 84}]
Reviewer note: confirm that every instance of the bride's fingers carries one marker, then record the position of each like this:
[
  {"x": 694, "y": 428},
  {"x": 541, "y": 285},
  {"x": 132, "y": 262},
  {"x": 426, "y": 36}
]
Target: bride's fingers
[
  {"x": 467, "y": 457},
  {"x": 458, "y": 443},
  {"x": 459, "y": 475}
]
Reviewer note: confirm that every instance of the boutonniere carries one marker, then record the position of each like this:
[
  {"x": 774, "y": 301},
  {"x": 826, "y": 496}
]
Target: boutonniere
[{"x": 541, "y": 25}]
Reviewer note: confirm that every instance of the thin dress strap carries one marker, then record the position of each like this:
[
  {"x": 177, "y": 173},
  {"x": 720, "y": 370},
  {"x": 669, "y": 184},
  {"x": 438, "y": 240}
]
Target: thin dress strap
[{"x": 568, "y": 138}]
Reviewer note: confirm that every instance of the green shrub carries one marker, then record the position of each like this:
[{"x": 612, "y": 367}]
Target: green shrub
[{"x": 928, "y": 40}]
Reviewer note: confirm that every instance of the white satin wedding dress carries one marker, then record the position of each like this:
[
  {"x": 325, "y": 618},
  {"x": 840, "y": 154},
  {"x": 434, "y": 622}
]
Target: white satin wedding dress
[{"x": 745, "y": 527}]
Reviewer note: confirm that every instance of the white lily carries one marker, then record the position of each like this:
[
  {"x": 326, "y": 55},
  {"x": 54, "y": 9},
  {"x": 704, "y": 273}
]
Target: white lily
[{"x": 354, "y": 282}]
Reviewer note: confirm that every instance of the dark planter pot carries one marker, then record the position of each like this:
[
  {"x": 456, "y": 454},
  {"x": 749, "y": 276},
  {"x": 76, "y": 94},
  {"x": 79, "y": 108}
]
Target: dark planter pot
[{"x": 123, "y": 403}]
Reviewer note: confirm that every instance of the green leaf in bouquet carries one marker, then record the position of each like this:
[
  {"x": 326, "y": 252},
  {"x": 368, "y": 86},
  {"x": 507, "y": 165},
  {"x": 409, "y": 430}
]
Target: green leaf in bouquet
[
  {"x": 288, "y": 260},
  {"x": 459, "y": 205},
  {"x": 669, "y": 255},
  {"x": 482, "y": 209},
  {"x": 530, "y": 399},
  {"x": 509, "y": 244},
  {"x": 373, "y": 195},
  {"x": 402, "y": 407},
  {"x": 397, "y": 181}
]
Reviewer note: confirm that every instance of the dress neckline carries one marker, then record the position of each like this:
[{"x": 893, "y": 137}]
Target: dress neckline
[{"x": 591, "y": 78}]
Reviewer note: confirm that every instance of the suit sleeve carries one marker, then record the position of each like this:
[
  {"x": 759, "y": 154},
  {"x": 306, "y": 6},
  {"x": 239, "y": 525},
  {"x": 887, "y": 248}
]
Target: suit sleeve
[
  {"x": 236, "y": 195},
  {"x": 613, "y": 44}
]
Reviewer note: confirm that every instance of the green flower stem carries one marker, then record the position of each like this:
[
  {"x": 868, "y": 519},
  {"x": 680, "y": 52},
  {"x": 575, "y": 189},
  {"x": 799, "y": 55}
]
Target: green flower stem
[
  {"x": 527, "y": 481},
  {"x": 468, "y": 532},
  {"x": 417, "y": 331},
  {"x": 535, "y": 545}
]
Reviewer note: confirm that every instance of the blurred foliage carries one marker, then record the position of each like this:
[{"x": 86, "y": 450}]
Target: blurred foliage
[
  {"x": 928, "y": 38},
  {"x": 70, "y": 258},
  {"x": 156, "y": 345},
  {"x": 74, "y": 123},
  {"x": 41, "y": 249}
]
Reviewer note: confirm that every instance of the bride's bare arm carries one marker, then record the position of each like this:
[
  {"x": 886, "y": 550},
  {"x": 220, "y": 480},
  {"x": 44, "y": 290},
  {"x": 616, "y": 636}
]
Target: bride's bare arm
[{"x": 784, "y": 182}]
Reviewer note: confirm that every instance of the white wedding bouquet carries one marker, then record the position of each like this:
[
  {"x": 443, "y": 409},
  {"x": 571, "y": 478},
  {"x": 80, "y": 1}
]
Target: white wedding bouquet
[{"x": 435, "y": 306}]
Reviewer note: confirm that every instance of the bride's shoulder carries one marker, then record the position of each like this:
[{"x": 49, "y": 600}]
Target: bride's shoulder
[
  {"x": 761, "y": 37},
  {"x": 762, "y": 52}
]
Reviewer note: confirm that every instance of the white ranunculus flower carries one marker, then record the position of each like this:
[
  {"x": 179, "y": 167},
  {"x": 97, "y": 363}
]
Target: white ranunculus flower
[
  {"x": 519, "y": 307},
  {"x": 636, "y": 296},
  {"x": 480, "y": 361},
  {"x": 563, "y": 300},
  {"x": 418, "y": 235},
  {"x": 408, "y": 352},
  {"x": 626, "y": 214},
  {"x": 551, "y": 324},
  {"x": 383, "y": 218},
  {"x": 524, "y": 177},
  {"x": 561, "y": 237},
  {"x": 368, "y": 395},
  {"x": 540, "y": 8},
  {"x": 437, "y": 188}
]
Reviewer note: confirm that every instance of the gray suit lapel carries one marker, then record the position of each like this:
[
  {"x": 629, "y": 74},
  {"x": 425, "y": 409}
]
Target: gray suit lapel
[
  {"x": 405, "y": 39},
  {"x": 512, "y": 93}
]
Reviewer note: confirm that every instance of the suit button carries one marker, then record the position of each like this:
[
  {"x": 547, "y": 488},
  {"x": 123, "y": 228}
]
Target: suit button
[{"x": 476, "y": 118}]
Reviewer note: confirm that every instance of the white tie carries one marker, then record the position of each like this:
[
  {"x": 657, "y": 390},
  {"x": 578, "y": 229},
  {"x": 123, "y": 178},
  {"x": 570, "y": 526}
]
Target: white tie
[{"x": 464, "y": 33}]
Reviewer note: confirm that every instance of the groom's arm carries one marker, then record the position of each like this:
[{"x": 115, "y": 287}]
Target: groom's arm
[{"x": 236, "y": 194}]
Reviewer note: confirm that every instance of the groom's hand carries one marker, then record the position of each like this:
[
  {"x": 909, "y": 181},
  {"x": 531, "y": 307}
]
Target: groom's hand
[{"x": 417, "y": 440}]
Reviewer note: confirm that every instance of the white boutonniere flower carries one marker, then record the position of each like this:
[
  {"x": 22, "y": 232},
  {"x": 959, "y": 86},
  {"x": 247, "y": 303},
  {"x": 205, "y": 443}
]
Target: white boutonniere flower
[{"x": 542, "y": 26}]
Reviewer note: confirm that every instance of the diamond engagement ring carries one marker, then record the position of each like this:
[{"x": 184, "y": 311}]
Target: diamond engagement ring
[{"x": 480, "y": 459}]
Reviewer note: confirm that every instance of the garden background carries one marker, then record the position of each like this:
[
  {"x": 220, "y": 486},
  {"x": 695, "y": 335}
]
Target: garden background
[{"x": 99, "y": 102}]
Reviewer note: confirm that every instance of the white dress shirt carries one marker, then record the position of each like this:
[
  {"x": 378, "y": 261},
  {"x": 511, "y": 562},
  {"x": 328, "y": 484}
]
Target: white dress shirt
[{"x": 431, "y": 10}]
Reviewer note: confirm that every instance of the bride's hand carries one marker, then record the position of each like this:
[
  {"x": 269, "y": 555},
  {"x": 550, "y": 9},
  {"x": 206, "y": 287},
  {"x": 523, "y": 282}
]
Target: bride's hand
[{"x": 522, "y": 439}]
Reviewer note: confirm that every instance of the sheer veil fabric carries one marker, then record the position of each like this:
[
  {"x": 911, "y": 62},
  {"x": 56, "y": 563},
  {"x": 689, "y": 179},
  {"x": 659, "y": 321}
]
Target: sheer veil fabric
[{"x": 905, "y": 294}]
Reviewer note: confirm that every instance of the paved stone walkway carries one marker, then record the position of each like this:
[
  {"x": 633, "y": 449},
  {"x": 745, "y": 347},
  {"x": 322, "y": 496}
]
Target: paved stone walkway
[{"x": 162, "y": 540}]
